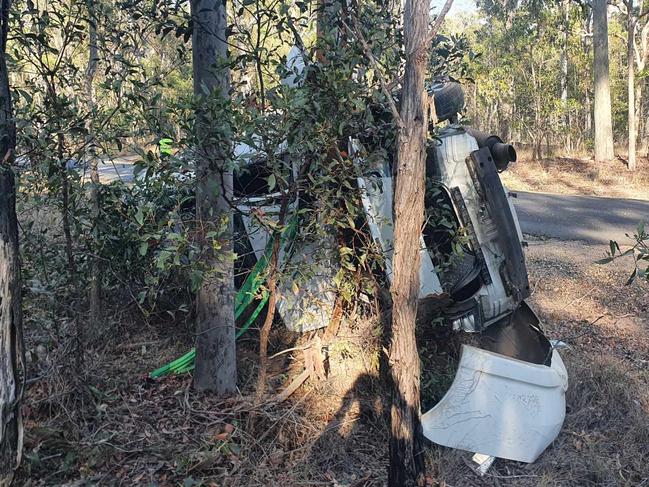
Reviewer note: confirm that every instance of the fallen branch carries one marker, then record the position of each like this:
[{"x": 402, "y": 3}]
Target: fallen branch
[{"x": 297, "y": 382}]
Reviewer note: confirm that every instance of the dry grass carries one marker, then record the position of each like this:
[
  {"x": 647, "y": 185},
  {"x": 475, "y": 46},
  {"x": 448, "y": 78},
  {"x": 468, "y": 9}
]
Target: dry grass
[
  {"x": 129, "y": 430},
  {"x": 579, "y": 176},
  {"x": 126, "y": 429},
  {"x": 603, "y": 441}
]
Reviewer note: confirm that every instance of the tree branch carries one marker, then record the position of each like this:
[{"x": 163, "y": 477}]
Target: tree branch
[
  {"x": 384, "y": 87},
  {"x": 438, "y": 22}
]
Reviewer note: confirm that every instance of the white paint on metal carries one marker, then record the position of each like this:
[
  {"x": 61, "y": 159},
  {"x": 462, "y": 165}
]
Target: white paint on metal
[{"x": 500, "y": 406}]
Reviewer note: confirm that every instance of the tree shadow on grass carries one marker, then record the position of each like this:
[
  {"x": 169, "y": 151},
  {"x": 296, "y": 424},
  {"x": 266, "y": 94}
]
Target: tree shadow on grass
[{"x": 352, "y": 449}]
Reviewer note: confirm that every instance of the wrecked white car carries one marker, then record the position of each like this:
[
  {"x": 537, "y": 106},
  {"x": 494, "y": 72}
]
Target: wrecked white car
[{"x": 508, "y": 397}]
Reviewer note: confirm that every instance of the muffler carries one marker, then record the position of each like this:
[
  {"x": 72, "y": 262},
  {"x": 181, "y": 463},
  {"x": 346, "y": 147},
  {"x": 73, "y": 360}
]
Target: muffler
[{"x": 502, "y": 153}]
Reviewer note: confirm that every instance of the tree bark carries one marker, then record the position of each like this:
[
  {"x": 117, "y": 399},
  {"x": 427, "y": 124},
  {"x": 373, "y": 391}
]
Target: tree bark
[
  {"x": 406, "y": 459},
  {"x": 96, "y": 271},
  {"x": 564, "y": 71},
  {"x": 215, "y": 327},
  {"x": 603, "y": 121},
  {"x": 10, "y": 290},
  {"x": 641, "y": 56},
  {"x": 631, "y": 21}
]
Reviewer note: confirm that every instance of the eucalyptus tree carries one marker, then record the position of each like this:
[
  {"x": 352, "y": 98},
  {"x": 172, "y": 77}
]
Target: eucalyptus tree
[
  {"x": 10, "y": 282},
  {"x": 406, "y": 461},
  {"x": 636, "y": 59},
  {"x": 602, "y": 116},
  {"x": 216, "y": 368}
]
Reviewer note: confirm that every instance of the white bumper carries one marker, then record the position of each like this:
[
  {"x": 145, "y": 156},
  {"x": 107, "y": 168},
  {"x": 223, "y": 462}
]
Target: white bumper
[{"x": 500, "y": 406}]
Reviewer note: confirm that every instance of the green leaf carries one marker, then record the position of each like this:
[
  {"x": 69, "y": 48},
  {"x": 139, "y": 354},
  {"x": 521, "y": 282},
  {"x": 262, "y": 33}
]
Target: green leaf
[
  {"x": 164, "y": 256},
  {"x": 139, "y": 217},
  {"x": 631, "y": 277},
  {"x": 144, "y": 247},
  {"x": 195, "y": 280},
  {"x": 272, "y": 181}
]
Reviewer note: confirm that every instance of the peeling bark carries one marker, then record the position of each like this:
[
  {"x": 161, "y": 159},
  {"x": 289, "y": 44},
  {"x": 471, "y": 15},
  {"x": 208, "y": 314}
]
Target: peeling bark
[
  {"x": 10, "y": 291},
  {"x": 406, "y": 459}
]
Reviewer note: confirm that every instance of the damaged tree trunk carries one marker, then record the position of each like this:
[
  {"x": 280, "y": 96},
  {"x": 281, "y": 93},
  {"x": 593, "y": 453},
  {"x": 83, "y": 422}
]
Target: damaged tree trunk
[
  {"x": 10, "y": 298},
  {"x": 10, "y": 322}
]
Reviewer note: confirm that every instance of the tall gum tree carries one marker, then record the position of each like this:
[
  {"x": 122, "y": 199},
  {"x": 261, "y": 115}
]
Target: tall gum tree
[
  {"x": 631, "y": 25},
  {"x": 406, "y": 458},
  {"x": 216, "y": 368},
  {"x": 10, "y": 298},
  {"x": 603, "y": 120},
  {"x": 636, "y": 57}
]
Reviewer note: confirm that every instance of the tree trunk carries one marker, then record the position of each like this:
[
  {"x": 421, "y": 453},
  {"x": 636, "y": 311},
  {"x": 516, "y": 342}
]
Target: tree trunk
[
  {"x": 564, "y": 71},
  {"x": 639, "y": 123},
  {"x": 564, "y": 54},
  {"x": 96, "y": 272},
  {"x": 631, "y": 85},
  {"x": 642, "y": 56},
  {"x": 603, "y": 121},
  {"x": 588, "y": 118},
  {"x": 406, "y": 459},
  {"x": 10, "y": 298},
  {"x": 10, "y": 322},
  {"x": 216, "y": 368}
]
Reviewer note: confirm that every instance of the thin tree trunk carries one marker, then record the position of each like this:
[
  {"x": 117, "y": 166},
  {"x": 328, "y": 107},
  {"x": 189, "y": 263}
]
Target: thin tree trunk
[
  {"x": 268, "y": 322},
  {"x": 631, "y": 85},
  {"x": 603, "y": 121},
  {"x": 642, "y": 56},
  {"x": 216, "y": 368},
  {"x": 406, "y": 459},
  {"x": 564, "y": 71},
  {"x": 588, "y": 119},
  {"x": 65, "y": 206},
  {"x": 96, "y": 272},
  {"x": 639, "y": 123},
  {"x": 10, "y": 297}
]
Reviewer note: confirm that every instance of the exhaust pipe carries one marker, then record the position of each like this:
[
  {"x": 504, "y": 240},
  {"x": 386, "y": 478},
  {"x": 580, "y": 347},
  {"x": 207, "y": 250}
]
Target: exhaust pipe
[{"x": 502, "y": 153}]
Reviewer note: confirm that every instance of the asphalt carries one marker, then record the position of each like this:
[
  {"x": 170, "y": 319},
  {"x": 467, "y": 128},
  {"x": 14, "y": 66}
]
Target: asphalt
[{"x": 587, "y": 218}]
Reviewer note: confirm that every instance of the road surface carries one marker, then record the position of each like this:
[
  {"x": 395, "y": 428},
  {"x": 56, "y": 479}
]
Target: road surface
[
  {"x": 120, "y": 168},
  {"x": 588, "y": 218}
]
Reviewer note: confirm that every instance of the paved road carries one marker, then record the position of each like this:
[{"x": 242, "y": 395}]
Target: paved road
[
  {"x": 588, "y": 218},
  {"x": 120, "y": 168}
]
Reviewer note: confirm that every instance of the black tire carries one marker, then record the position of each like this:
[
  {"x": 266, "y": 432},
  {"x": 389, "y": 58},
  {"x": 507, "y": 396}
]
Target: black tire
[{"x": 449, "y": 101}]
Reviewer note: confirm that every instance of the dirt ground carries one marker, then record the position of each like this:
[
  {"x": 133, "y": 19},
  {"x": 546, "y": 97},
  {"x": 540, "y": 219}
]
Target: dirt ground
[
  {"x": 130, "y": 430},
  {"x": 603, "y": 441},
  {"x": 581, "y": 176}
]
